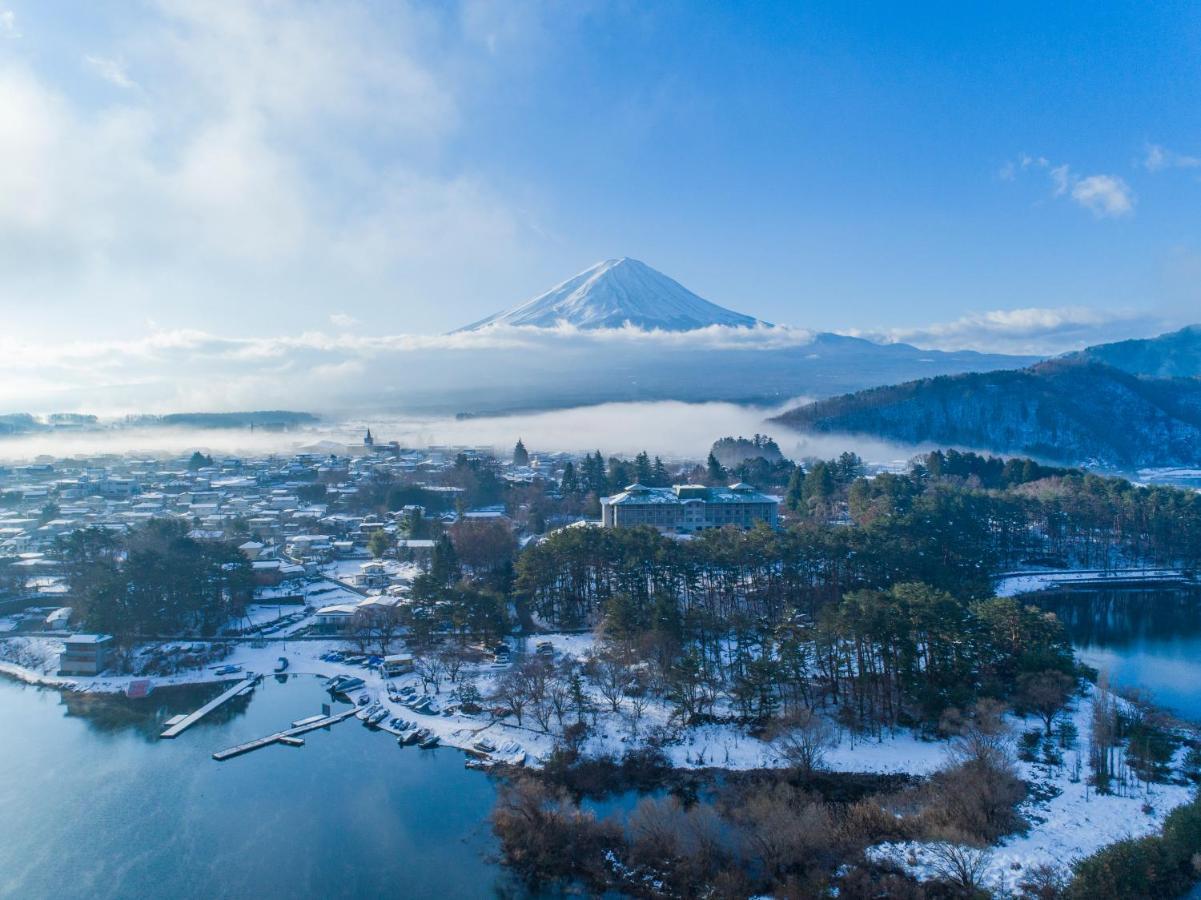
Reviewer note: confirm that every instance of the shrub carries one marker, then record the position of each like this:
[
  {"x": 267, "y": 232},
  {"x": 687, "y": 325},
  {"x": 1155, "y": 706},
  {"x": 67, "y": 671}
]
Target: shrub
[
  {"x": 1028, "y": 745},
  {"x": 544, "y": 836},
  {"x": 1128, "y": 869},
  {"x": 1182, "y": 833}
]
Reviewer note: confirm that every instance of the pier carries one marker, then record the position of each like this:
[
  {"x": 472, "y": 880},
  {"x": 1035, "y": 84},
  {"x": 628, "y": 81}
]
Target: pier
[
  {"x": 290, "y": 737},
  {"x": 177, "y": 725}
]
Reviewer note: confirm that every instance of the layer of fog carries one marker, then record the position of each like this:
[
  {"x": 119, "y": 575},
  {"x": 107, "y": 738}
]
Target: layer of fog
[
  {"x": 487, "y": 372},
  {"x": 672, "y": 429}
]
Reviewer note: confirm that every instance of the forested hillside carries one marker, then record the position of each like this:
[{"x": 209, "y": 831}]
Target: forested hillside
[{"x": 1070, "y": 411}]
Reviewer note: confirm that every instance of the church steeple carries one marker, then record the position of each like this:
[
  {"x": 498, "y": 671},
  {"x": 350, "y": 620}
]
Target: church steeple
[{"x": 368, "y": 441}]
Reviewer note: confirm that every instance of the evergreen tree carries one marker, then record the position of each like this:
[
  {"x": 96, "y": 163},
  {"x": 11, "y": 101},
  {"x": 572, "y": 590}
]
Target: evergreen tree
[
  {"x": 659, "y": 476},
  {"x": 714, "y": 471},
  {"x": 570, "y": 485},
  {"x": 378, "y": 543},
  {"x": 819, "y": 485},
  {"x": 199, "y": 461},
  {"x": 521, "y": 456},
  {"x": 444, "y": 562},
  {"x": 794, "y": 494},
  {"x": 622, "y": 472},
  {"x": 594, "y": 474},
  {"x": 642, "y": 468}
]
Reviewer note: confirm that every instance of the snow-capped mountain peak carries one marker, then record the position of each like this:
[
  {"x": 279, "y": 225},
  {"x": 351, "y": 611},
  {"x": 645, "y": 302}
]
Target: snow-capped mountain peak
[{"x": 614, "y": 293}]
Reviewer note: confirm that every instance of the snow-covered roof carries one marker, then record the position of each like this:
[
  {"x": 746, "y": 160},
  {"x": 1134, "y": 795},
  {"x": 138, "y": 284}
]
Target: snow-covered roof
[{"x": 640, "y": 495}]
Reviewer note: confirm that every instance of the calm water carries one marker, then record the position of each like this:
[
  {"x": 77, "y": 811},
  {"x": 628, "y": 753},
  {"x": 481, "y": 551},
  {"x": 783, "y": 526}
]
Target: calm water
[
  {"x": 1143, "y": 638},
  {"x": 94, "y": 806}
]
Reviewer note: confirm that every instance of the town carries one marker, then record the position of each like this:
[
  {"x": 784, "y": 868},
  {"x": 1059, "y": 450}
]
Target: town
[
  {"x": 557, "y": 611},
  {"x": 330, "y": 541}
]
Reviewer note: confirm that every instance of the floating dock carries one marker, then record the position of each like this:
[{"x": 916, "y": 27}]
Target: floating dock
[
  {"x": 178, "y": 724},
  {"x": 289, "y": 737}
]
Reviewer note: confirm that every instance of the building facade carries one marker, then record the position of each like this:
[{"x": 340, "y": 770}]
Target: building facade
[
  {"x": 85, "y": 654},
  {"x": 688, "y": 508}
]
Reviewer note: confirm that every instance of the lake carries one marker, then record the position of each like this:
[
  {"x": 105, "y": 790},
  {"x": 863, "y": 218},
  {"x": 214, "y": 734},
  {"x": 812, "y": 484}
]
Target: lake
[
  {"x": 96, "y": 806},
  {"x": 1147, "y": 638}
]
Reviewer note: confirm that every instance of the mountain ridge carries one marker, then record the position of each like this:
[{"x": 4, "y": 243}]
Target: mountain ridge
[
  {"x": 1073, "y": 410},
  {"x": 1176, "y": 354},
  {"x": 615, "y": 293}
]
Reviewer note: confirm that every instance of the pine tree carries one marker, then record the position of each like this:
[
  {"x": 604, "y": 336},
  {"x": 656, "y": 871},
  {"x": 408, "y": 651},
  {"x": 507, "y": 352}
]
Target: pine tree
[
  {"x": 444, "y": 562},
  {"x": 659, "y": 476},
  {"x": 521, "y": 456},
  {"x": 714, "y": 471},
  {"x": 570, "y": 485},
  {"x": 594, "y": 474},
  {"x": 794, "y": 494},
  {"x": 642, "y": 468}
]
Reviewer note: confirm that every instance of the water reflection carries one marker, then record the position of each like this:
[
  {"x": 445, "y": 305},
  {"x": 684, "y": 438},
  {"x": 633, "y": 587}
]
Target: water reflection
[
  {"x": 108, "y": 811},
  {"x": 1146, "y": 638},
  {"x": 146, "y": 717}
]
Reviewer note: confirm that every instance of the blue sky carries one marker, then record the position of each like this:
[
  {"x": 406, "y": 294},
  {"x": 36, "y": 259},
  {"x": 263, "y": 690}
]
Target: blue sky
[{"x": 1019, "y": 177}]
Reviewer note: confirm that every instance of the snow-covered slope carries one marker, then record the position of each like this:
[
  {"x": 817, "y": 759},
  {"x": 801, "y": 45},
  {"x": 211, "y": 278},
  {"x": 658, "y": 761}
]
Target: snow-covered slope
[{"x": 613, "y": 293}]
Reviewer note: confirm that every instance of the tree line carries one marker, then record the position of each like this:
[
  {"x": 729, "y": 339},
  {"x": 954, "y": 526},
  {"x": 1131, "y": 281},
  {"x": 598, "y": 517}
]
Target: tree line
[{"x": 153, "y": 580}]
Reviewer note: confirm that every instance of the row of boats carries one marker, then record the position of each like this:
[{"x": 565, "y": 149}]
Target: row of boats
[
  {"x": 412, "y": 735},
  {"x": 508, "y": 752}
]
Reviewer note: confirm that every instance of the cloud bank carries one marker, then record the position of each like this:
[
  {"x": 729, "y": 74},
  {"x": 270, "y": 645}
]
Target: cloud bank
[
  {"x": 240, "y": 161},
  {"x": 341, "y": 369},
  {"x": 1039, "y": 331}
]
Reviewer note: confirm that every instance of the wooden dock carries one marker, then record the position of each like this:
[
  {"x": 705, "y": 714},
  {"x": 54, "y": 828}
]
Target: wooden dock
[
  {"x": 289, "y": 737},
  {"x": 177, "y": 725}
]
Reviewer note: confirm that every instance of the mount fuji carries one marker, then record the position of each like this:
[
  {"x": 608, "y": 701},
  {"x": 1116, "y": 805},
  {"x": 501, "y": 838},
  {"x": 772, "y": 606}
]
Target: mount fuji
[{"x": 616, "y": 293}]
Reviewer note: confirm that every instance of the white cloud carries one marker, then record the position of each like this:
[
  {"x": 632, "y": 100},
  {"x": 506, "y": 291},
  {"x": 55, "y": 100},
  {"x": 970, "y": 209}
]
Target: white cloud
[
  {"x": 342, "y": 320},
  {"x": 111, "y": 70},
  {"x": 1043, "y": 331},
  {"x": 274, "y": 155},
  {"x": 1157, "y": 158},
  {"x": 8, "y": 23},
  {"x": 1106, "y": 196},
  {"x": 180, "y": 369}
]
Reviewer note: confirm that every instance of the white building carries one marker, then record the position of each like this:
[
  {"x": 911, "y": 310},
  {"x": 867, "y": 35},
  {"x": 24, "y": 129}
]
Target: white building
[{"x": 689, "y": 508}]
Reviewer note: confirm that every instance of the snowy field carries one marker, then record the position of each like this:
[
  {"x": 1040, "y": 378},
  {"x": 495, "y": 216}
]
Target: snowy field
[
  {"x": 1018, "y": 583},
  {"x": 1072, "y": 825}
]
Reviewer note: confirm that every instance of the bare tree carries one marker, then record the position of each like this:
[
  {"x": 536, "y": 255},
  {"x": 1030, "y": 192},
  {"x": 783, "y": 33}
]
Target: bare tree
[
  {"x": 1046, "y": 693},
  {"x": 511, "y": 692},
  {"x": 361, "y": 633},
  {"x": 429, "y": 669},
  {"x": 610, "y": 674},
  {"x": 961, "y": 863},
  {"x": 803, "y": 739},
  {"x": 383, "y": 623},
  {"x": 981, "y": 735},
  {"x": 454, "y": 659}
]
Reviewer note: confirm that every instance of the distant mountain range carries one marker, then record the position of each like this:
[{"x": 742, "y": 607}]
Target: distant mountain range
[
  {"x": 1098, "y": 407},
  {"x": 270, "y": 420},
  {"x": 616, "y": 293},
  {"x": 752, "y": 361},
  {"x": 1173, "y": 355}
]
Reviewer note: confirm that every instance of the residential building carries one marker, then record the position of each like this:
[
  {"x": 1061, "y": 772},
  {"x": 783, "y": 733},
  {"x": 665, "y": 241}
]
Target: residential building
[{"x": 85, "y": 654}]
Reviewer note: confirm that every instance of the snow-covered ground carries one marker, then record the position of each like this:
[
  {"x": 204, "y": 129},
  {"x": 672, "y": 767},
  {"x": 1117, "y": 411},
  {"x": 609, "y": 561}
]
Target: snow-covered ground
[
  {"x": 1017, "y": 583},
  {"x": 1072, "y": 823}
]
